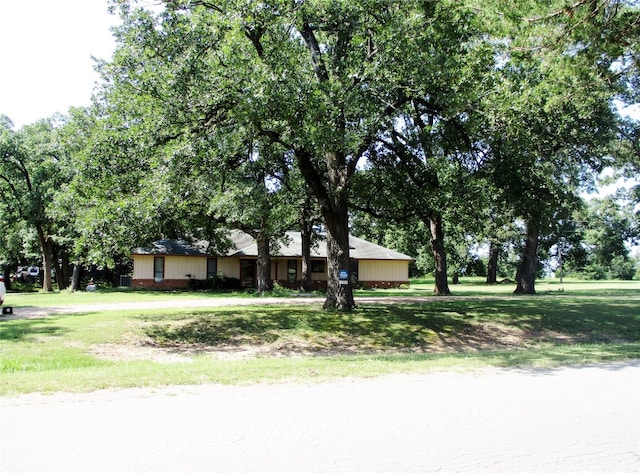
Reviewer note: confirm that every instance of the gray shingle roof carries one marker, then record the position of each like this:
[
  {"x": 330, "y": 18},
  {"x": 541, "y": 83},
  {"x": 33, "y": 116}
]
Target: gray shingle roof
[
  {"x": 174, "y": 247},
  {"x": 244, "y": 244}
]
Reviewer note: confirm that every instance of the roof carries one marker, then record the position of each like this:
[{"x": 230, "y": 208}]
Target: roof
[
  {"x": 174, "y": 247},
  {"x": 243, "y": 244}
]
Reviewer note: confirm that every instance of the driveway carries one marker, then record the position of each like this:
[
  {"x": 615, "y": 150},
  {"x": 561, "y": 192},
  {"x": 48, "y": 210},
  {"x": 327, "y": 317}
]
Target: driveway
[{"x": 582, "y": 419}]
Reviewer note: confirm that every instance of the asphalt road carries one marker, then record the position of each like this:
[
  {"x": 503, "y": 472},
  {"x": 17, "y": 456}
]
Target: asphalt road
[{"x": 584, "y": 419}]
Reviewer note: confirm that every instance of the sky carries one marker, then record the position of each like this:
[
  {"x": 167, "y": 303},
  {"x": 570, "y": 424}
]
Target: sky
[{"x": 45, "y": 61}]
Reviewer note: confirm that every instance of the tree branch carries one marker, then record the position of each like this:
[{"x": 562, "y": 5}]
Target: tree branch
[{"x": 316, "y": 54}]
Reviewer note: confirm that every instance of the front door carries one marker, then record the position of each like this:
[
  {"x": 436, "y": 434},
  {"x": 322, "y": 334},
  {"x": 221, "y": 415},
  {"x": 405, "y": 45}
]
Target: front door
[{"x": 248, "y": 272}]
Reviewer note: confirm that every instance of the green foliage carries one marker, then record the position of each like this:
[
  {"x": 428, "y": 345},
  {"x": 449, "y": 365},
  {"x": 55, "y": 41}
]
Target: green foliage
[
  {"x": 489, "y": 119},
  {"x": 216, "y": 283},
  {"x": 279, "y": 291},
  {"x": 34, "y": 166},
  {"x": 597, "y": 241}
]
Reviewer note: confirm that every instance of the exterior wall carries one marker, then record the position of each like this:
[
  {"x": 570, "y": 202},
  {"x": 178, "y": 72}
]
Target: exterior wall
[
  {"x": 142, "y": 267},
  {"x": 378, "y": 270},
  {"x": 165, "y": 284},
  {"x": 279, "y": 271},
  {"x": 320, "y": 276},
  {"x": 177, "y": 267},
  {"x": 371, "y": 273},
  {"x": 228, "y": 267}
]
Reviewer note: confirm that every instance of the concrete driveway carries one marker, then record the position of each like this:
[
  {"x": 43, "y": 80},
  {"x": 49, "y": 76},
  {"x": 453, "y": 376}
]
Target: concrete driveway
[{"x": 584, "y": 419}]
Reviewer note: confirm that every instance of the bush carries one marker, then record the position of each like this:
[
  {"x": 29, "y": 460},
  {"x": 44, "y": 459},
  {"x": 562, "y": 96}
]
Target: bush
[
  {"x": 623, "y": 268},
  {"x": 214, "y": 284},
  {"x": 279, "y": 291}
]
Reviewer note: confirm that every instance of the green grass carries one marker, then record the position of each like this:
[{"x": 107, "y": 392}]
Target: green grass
[
  {"x": 104, "y": 296},
  {"x": 475, "y": 286},
  {"x": 482, "y": 326}
]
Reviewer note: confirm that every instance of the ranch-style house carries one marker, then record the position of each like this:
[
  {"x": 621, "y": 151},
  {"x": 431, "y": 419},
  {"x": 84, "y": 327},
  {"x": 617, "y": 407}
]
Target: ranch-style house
[{"x": 171, "y": 264}]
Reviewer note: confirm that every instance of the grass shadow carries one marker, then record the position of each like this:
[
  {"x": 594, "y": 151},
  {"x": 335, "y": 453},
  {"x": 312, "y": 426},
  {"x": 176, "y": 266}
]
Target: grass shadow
[
  {"x": 17, "y": 330},
  {"x": 459, "y": 324}
]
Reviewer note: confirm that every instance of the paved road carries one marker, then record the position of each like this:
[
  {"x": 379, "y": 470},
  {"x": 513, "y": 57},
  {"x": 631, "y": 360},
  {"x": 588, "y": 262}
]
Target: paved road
[{"x": 568, "y": 420}]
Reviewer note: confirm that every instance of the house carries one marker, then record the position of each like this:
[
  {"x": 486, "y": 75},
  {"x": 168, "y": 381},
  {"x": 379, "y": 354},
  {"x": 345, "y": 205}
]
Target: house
[{"x": 169, "y": 264}]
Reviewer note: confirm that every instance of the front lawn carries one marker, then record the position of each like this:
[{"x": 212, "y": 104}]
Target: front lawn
[{"x": 484, "y": 327}]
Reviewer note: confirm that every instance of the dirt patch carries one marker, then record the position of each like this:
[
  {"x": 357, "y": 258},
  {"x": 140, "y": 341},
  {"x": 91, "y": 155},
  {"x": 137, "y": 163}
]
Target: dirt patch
[
  {"x": 479, "y": 337},
  {"x": 469, "y": 335}
]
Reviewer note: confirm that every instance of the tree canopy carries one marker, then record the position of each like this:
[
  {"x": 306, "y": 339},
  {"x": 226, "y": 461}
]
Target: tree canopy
[{"x": 472, "y": 121}]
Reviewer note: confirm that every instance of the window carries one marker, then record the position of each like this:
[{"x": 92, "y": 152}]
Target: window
[
  {"x": 158, "y": 268},
  {"x": 353, "y": 271},
  {"x": 212, "y": 268},
  {"x": 248, "y": 272},
  {"x": 317, "y": 266},
  {"x": 292, "y": 270}
]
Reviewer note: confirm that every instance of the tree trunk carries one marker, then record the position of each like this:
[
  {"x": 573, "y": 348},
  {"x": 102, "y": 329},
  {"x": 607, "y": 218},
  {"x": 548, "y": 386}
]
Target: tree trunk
[
  {"x": 339, "y": 294},
  {"x": 47, "y": 259},
  {"x": 335, "y": 211},
  {"x": 439, "y": 255},
  {"x": 334, "y": 205},
  {"x": 492, "y": 270},
  {"x": 526, "y": 275},
  {"x": 65, "y": 278},
  {"x": 306, "y": 229},
  {"x": 118, "y": 271},
  {"x": 60, "y": 264},
  {"x": 264, "y": 263},
  {"x": 5, "y": 270},
  {"x": 75, "y": 278}
]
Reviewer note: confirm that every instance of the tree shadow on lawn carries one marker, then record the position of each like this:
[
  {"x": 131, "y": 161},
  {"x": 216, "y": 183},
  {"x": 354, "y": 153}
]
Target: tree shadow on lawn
[
  {"x": 370, "y": 328},
  {"x": 588, "y": 320},
  {"x": 436, "y": 326},
  {"x": 17, "y": 330}
]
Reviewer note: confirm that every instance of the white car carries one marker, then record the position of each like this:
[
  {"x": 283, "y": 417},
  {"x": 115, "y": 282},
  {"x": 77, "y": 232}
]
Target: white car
[{"x": 3, "y": 290}]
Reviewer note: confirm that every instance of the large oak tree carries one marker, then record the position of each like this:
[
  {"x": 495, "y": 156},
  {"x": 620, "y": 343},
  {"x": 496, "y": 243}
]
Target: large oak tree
[{"x": 321, "y": 79}]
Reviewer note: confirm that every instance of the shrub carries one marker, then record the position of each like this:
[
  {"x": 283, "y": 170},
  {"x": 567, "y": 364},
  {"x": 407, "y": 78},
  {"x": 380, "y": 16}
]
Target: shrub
[{"x": 213, "y": 284}]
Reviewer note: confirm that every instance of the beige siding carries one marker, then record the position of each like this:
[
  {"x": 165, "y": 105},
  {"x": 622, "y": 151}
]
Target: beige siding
[
  {"x": 319, "y": 276},
  {"x": 229, "y": 267},
  {"x": 142, "y": 267},
  {"x": 177, "y": 267},
  {"x": 378, "y": 270},
  {"x": 280, "y": 270}
]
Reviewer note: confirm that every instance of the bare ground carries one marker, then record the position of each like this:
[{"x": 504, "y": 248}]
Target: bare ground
[{"x": 475, "y": 337}]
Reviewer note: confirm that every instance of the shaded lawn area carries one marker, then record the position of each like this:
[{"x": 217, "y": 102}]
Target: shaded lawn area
[
  {"x": 437, "y": 326},
  {"x": 97, "y": 350}
]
